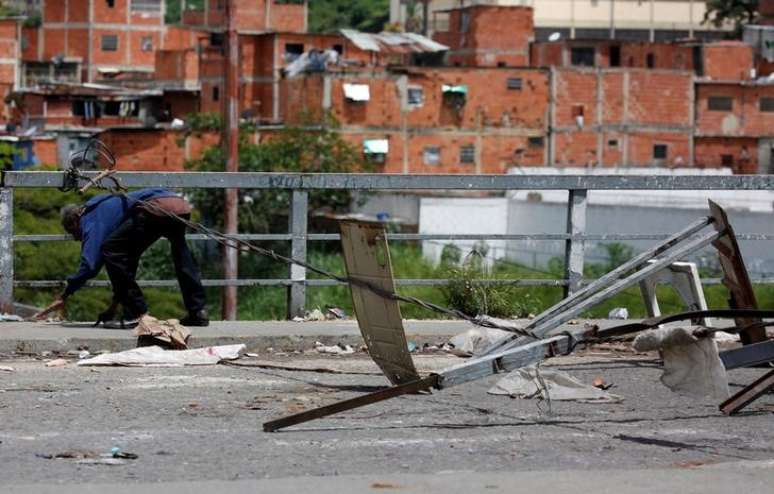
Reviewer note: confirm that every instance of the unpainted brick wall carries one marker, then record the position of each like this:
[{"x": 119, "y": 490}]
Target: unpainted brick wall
[
  {"x": 745, "y": 118},
  {"x": 728, "y": 61},
  {"x": 742, "y": 151}
]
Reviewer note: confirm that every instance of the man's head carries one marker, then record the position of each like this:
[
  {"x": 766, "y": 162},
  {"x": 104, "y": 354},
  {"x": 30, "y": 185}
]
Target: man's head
[{"x": 71, "y": 219}]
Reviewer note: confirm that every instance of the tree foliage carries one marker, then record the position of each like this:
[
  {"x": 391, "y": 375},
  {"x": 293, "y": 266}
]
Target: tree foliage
[
  {"x": 737, "y": 12},
  {"x": 364, "y": 15}
]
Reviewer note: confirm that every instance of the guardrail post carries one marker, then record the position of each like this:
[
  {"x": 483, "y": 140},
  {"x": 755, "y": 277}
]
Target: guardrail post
[
  {"x": 574, "y": 248},
  {"x": 6, "y": 250},
  {"x": 299, "y": 206}
]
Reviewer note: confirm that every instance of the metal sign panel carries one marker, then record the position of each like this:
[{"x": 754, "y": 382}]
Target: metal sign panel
[{"x": 367, "y": 258}]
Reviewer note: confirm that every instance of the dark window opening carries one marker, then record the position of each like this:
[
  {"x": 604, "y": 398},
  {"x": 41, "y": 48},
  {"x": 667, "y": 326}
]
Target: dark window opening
[
  {"x": 583, "y": 56},
  {"x": 464, "y": 22},
  {"x": 720, "y": 103},
  {"x": 650, "y": 60},
  {"x": 660, "y": 152},
  {"x": 109, "y": 42},
  {"x": 338, "y": 49},
  {"x": 766, "y": 104},
  {"x": 146, "y": 43},
  {"x": 217, "y": 39},
  {"x": 727, "y": 160},
  {"x": 215, "y": 93},
  {"x": 467, "y": 154},
  {"x": 613, "y": 143},
  {"x": 110, "y": 3},
  {"x": 415, "y": 96},
  {"x": 293, "y": 51},
  {"x": 615, "y": 56},
  {"x": 502, "y": 64},
  {"x": 577, "y": 111},
  {"x": 514, "y": 83},
  {"x": 535, "y": 142}
]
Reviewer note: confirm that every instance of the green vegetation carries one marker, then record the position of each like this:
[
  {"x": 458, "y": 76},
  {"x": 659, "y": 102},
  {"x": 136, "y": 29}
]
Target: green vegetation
[
  {"x": 327, "y": 16},
  {"x": 736, "y": 12}
]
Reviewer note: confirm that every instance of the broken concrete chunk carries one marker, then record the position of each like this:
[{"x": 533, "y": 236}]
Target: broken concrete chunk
[{"x": 475, "y": 341}]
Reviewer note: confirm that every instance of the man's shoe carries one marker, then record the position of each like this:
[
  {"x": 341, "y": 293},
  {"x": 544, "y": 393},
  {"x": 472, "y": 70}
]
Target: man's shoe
[
  {"x": 199, "y": 318},
  {"x": 123, "y": 323}
]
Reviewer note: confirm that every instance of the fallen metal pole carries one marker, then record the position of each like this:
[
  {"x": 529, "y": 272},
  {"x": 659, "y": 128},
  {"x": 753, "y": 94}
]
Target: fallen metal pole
[
  {"x": 748, "y": 395},
  {"x": 424, "y": 384}
]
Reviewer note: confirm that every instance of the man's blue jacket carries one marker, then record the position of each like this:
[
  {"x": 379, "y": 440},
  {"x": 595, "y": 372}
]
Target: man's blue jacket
[{"x": 101, "y": 217}]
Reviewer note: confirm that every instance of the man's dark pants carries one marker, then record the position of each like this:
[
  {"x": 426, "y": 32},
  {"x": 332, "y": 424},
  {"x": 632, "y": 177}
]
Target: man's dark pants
[{"x": 122, "y": 251}]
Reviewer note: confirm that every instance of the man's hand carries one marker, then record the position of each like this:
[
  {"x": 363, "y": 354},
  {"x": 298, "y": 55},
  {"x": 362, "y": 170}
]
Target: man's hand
[{"x": 56, "y": 305}]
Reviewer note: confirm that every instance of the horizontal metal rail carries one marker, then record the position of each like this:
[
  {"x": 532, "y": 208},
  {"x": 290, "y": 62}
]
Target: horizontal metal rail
[
  {"x": 372, "y": 181},
  {"x": 317, "y": 237},
  {"x": 280, "y": 282}
]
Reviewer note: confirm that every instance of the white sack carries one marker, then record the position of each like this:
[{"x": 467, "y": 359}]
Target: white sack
[
  {"x": 475, "y": 341},
  {"x": 692, "y": 365},
  {"x": 155, "y": 356}
]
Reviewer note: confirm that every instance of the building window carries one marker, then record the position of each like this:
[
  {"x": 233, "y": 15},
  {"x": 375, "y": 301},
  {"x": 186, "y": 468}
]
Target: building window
[
  {"x": 766, "y": 104},
  {"x": 583, "y": 56},
  {"x": 109, "y": 42},
  {"x": 110, "y": 3},
  {"x": 660, "y": 151},
  {"x": 535, "y": 142},
  {"x": 338, "y": 49},
  {"x": 376, "y": 150},
  {"x": 514, "y": 83},
  {"x": 467, "y": 154},
  {"x": 615, "y": 56},
  {"x": 612, "y": 143},
  {"x": 431, "y": 155},
  {"x": 720, "y": 103},
  {"x": 217, "y": 39},
  {"x": 146, "y": 6},
  {"x": 650, "y": 60},
  {"x": 215, "y": 93},
  {"x": 415, "y": 96},
  {"x": 727, "y": 160},
  {"x": 146, "y": 43},
  {"x": 293, "y": 51}
]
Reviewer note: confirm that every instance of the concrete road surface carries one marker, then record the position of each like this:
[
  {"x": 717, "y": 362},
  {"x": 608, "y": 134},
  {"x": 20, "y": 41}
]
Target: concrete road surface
[{"x": 199, "y": 430}]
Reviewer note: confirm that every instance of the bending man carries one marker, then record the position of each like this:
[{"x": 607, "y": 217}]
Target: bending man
[{"x": 115, "y": 231}]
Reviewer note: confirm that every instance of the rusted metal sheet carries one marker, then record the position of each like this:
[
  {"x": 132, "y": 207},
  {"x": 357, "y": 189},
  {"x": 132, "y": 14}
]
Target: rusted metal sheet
[
  {"x": 735, "y": 276},
  {"x": 748, "y": 395},
  {"x": 367, "y": 258}
]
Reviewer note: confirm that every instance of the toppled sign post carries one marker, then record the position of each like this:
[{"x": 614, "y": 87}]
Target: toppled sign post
[{"x": 367, "y": 260}]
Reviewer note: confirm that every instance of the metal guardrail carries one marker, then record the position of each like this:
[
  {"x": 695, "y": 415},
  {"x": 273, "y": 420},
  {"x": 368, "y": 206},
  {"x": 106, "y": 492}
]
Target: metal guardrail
[{"x": 300, "y": 185}]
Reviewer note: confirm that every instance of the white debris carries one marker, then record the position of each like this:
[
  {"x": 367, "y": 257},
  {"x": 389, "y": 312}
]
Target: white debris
[
  {"x": 5, "y": 368},
  {"x": 618, "y": 313},
  {"x": 333, "y": 349},
  {"x": 560, "y": 386},
  {"x": 155, "y": 356},
  {"x": 315, "y": 315},
  {"x": 475, "y": 341},
  {"x": 60, "y": 362},
  {"x": 692, "y": 365},
  {"x": 10, "y": 318}
]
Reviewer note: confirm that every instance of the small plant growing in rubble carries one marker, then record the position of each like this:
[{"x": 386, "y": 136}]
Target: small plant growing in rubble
[{"x": 468, "y": 293}]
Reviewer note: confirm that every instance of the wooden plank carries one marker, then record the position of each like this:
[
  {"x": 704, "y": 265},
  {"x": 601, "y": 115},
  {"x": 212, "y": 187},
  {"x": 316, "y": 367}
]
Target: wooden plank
[{"x": 735, "y": 276}]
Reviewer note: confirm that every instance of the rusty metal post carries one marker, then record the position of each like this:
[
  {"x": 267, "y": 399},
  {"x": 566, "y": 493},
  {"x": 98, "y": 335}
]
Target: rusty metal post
[
  {"x": 231, "y": 139},
  {"x": 575, "y": 249},
  {"x": 298, "y": 226},
  {"x": 6, "y": 250}
]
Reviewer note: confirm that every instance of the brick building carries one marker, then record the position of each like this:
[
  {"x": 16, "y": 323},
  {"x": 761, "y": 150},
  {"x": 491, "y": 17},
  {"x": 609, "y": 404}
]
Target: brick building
[
  {"x": 93, "y": 39},
  {"x": 434, "y": 120},
  {"x": 482, "y": 97},
  {"x": 10, "y": 66}
]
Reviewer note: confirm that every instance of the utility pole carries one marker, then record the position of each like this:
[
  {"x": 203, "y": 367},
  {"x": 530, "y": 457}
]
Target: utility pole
[{"x": 231, "y": 142}]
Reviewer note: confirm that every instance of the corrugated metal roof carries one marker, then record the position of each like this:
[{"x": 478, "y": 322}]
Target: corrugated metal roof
[{"x": 393, "y": 42}]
